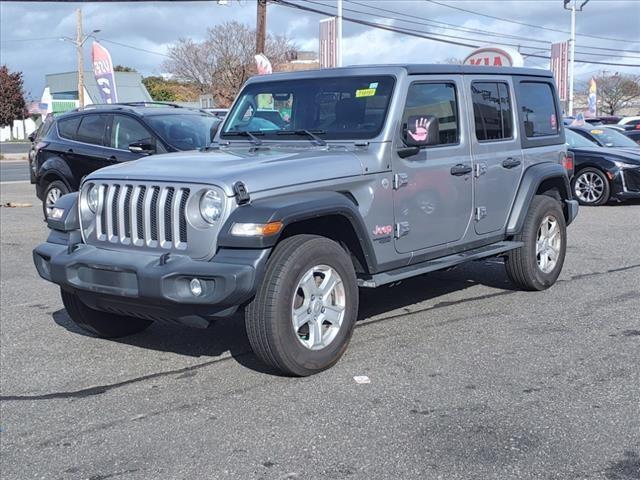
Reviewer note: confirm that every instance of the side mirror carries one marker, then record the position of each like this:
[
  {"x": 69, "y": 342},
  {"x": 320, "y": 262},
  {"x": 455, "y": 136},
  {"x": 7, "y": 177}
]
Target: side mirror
[
  {"x": 32, "y": 137},
  {"x": 422, "y": 131},
  {"x": 145, "y": 147}
]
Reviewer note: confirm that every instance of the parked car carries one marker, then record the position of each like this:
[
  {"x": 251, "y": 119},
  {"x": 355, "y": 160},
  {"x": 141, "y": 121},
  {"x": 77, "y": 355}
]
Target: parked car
[
  {"x": 633, "y": 135},
  {"x": 371, "y": 175},
  {"x": 220, "y": 113},
  {"x": 602, "y": 174},
  {"x": 606, "y": 137},
  {"x": 632, "y": 123},
  {"x": 77, "y": 143}
]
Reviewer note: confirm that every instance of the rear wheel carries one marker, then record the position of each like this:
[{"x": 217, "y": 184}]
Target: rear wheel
[
  {"x": 102, "y": 324},
  {"x": 538, "y": 263},
  {"x": 305, "y": 310},
  {"x": 52, "y": 193},
  {"x": 591, "y": 187}
]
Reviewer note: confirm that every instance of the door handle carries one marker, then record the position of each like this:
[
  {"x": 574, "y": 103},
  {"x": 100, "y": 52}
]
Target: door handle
[
  {"x": 511, "y": 163},
  {"x": 113, "y": 158},
  {"x": 70, "y": 150},
  {"x": 460, "y": 170}
]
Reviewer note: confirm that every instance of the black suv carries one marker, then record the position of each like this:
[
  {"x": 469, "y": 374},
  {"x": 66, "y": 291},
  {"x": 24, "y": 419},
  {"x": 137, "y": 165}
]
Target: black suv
[{"x": 72, "y": 145}]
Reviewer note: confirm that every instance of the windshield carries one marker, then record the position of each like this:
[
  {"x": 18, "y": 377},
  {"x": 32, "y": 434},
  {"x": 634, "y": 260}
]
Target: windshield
[
  {"x": 185, "y": 131},
  {"x": 575, "y": 140},
  {"x": 611, "y": 138},
  {"x": 331, "y": 108}
]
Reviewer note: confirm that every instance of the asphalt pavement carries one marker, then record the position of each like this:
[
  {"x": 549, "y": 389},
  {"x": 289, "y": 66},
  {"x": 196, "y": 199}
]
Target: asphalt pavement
[
  {"x": 470, "y": 379},
  {"x": 14, "y": 171}
]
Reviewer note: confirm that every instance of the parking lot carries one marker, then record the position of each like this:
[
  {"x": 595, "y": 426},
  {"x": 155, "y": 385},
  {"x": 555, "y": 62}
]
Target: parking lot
[{"x": 470, "y": 379}]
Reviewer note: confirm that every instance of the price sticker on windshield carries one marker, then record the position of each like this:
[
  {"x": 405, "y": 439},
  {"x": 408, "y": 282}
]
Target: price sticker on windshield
[{"x": 365, "y": 92}]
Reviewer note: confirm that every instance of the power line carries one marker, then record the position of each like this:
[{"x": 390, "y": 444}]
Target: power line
[
  {"x": 133, "y": 47},
  {"x": 518, "y": 45},
  {"x": 523, "y": 23},
  {"x": 421, "y": 34},
  {"x": 471, "y": 30}
]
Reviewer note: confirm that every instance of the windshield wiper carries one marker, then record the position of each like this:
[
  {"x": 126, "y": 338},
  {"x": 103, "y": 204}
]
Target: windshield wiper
[
  {"x": 246, "y": 133},
  {"x": 310, "y": 133}
]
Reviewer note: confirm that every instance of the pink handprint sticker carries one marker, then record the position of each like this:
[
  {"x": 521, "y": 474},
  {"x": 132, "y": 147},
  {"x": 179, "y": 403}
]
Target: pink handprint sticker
[{"x": 421, "y": 131}]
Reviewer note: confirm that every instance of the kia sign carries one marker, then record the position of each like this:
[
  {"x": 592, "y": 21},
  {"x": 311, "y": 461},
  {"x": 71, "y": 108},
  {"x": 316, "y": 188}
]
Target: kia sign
[
  {"x": 263, "y": 64},
  {"x": 103, "y": 71},
  {"x": 495, "y": 57}
]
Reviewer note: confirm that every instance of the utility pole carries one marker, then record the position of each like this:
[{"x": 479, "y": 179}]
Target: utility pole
[
  {"x": 261, "y": 26},
  {"x": 572, "y": 51},
  {"x": 339, "y": 35},
  {"x": 79, "y": 43}
]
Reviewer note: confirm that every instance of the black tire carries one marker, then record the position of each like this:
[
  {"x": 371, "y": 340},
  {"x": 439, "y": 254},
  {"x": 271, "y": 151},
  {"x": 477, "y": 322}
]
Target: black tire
[
  {"x": 56, "y": 184},
  {"x": 101, "y": 324},
  {"x": 522, "y": 264},
  {"x": 588, "y": 199},
  {"x": 269, "y": 317}
]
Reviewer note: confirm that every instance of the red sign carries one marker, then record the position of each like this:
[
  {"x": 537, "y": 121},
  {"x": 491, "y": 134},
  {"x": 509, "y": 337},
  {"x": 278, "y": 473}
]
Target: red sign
[
  {"x": 103, "y": 71},
  {"x": 560, "y": 68},
  {"x": 495, "y": 57}
]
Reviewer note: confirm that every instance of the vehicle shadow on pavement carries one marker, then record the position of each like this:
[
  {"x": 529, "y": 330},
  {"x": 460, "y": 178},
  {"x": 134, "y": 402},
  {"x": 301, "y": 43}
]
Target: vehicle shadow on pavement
[{"x": 229, "y": 334}]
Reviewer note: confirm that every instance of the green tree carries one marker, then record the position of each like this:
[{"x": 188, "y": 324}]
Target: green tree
[
  {"x": 12, "y": 103},
  {"x": 123, "y": 68}
]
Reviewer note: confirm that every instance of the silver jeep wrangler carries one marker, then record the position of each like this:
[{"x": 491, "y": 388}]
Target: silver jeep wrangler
[{"x": 317, "y": 183}]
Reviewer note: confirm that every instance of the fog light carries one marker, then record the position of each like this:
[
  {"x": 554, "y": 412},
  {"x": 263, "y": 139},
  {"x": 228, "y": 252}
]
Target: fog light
[{"x": 195, "y": 286}]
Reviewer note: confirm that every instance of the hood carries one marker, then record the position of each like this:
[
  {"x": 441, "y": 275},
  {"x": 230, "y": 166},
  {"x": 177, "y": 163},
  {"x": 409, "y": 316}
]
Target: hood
[
  {"x": 260, "y": 169},
  {"x": 630, "y": 155}
]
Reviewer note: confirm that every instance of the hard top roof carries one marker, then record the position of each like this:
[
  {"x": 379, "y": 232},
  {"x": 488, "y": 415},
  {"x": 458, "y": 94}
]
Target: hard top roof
[{"x": 411, "y": 69}]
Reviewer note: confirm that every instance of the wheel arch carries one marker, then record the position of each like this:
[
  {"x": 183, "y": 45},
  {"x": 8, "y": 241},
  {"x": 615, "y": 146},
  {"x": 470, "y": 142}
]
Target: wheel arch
[
  {"x": 329, "y": 214},
  {"x": 540, "y": 179}
]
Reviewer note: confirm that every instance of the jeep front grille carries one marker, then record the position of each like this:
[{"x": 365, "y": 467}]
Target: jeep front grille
[{"x": 152, "y": 216}]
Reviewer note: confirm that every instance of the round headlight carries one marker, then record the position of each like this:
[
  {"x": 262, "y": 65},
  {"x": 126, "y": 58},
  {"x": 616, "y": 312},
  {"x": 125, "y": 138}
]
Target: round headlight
[
  {"x": 92, "y": 198},
  {"x": 211, "y": 206}
]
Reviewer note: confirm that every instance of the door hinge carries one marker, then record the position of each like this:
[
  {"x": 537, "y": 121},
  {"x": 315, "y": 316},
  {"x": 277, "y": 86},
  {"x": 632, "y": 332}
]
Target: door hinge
[
  {"x": 402, "y": 229},
  {"x": 400, "y": 180},
  {"x": 481, "y": 212},
  {"x": 480, "y": 169}
]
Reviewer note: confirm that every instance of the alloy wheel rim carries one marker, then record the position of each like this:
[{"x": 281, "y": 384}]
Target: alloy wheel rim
[
  {"x": 589, "y": 187},
  {"x": 52, "y": 197},
  {"x": 548, "y": 244},
  {"x": 318, "y": 307}
]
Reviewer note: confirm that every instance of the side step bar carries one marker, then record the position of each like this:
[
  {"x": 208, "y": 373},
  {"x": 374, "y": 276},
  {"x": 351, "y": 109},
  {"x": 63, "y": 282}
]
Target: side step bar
[{"x": 437, "y": 264}]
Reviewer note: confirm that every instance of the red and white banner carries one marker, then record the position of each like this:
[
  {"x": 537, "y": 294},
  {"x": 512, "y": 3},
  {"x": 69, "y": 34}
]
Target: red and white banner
[
  {"x": 328, "y": 51},
  {"x": 560, "y": 68},
  {"x": 103, "y": 71}
]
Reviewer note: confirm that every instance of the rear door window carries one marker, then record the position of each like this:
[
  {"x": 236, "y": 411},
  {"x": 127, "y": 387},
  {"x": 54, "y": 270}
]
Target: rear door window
[
  {"x": 538, "y": 109},
  {"x": 492, "y": 111},
  {"x": 92, "y": 129},
  {"x": 125, "y": 131},
  {"x": 67, "y": 127}
]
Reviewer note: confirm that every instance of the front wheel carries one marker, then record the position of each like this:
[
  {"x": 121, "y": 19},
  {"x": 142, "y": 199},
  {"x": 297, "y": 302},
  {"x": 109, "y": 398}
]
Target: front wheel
[
  {"x": 305, "y": 310},
  {"x": 101, "y": 324},
  {"x": 537, "y": 264},
  {"x": 591, "y": 187},
  {"x": 52, "y": 193}
]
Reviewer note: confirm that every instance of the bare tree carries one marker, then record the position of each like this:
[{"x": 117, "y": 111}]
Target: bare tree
[
  {"x": 616, "y": 92},
  {"x": 224, "y": 60}
]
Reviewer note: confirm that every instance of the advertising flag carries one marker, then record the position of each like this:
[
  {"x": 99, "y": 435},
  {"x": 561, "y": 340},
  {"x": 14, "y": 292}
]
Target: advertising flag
[
  {"x": 263, "y": 64},
  {"x": 593, "y": 97},
  {"x": 103, "y": 71}
]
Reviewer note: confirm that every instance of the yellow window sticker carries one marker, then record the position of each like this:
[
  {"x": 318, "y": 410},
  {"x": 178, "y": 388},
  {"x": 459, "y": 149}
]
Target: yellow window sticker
[
  {"x": 597, "y": 132},
  {"x": 365, "y": 92}
]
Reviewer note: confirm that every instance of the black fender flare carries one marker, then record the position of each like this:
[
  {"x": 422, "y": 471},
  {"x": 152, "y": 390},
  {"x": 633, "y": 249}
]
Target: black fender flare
[
  {"x": 533, "y": 177},
  {"x": 57, "y": 167},
  {"x": 293, "y": 208}
]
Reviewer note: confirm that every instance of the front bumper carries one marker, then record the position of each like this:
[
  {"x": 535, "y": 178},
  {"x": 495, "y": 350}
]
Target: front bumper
[{"x": 150, "y": 286}]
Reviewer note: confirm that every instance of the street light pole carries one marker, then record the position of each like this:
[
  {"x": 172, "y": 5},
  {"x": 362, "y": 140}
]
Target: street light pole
[
  {"x": 339, "y": 35},
  {"x": 572, "y": 51},
  {"x": 79, "y": 43}
]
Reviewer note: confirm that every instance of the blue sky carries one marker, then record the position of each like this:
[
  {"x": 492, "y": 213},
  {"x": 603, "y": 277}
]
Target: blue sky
[{"x": 30, "y": 32}]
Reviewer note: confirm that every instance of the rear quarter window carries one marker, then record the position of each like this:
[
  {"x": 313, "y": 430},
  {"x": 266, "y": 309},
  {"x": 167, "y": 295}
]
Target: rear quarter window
[{"x": 538, "y": 110}]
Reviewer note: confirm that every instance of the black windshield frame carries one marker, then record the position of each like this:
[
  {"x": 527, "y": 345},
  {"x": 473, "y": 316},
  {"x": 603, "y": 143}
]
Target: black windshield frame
[{"x": 313, "y": 107}]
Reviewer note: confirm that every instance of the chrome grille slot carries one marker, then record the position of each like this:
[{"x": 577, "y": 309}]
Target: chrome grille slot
[{"x": 148, "y": 216}]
